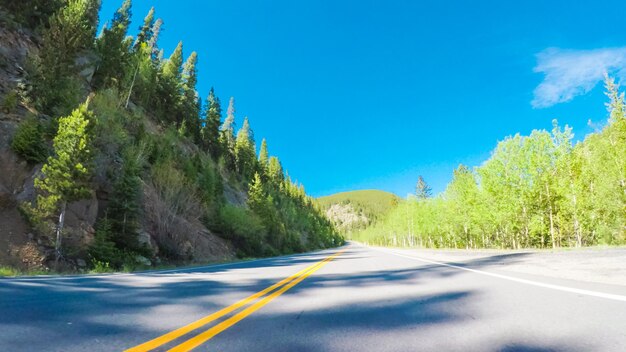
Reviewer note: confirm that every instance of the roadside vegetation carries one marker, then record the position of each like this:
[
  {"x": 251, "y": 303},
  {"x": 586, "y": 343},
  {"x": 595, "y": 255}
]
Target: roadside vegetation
[
  {"x": 119, "y": 121},
  {"x": 11, "y": 271},
  {"x": 536, "y": 191}
]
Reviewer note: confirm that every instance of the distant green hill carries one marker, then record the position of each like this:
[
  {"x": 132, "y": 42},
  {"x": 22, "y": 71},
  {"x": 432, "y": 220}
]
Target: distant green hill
[{"x": 357, "y": 209}]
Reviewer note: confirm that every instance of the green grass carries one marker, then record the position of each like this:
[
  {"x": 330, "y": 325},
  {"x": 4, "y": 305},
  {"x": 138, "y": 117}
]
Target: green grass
[
  {"x": 372, "y": 203},
  {"x": 9, "y": 271}
]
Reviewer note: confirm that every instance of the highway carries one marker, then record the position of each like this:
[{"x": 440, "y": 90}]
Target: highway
[{"x": 353, "y": 298}]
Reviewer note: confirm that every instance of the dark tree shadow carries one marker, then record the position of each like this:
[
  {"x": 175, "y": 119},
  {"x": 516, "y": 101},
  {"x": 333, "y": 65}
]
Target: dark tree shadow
[{"x": 65, "y": 311}]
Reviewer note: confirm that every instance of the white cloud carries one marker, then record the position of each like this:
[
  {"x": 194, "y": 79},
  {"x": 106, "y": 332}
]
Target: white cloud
[{"x": 569, "y": 73}]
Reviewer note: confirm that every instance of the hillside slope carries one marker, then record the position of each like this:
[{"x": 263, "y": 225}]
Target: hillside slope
[
  {"x": 357, "y": 209},
  {"x": 110, "y": 160}
]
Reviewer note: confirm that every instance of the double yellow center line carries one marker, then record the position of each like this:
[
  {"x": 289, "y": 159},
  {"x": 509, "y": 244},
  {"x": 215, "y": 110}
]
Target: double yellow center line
[{"x": 276, "y": 290}]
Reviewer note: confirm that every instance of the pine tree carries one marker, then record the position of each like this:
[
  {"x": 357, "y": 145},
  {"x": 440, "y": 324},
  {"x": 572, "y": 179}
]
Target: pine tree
[
  {"x": 103, "y": 248},
  {"x": 124, "y": 208},
  {"x": 422, "y": 189},
  {"x": 262, "y": 204},
  {"x": 170, "y": 87},
  {"x": 245, "y": 151},
  {"x": 263, "y": 157},
  {"x": 113, "y": 50},
  {"x": 146, "y": 62},
  {"x": 173, "y": 66},
  {"x": 275, "y": 171},
  {"x": 55, "y": 78},
  {"x": 211, "y": 128},
  {"x": 227, "y": 135},
  {"x": 152, "y": 43},
  {"x": 145, "y": 31},
  {"x": 65, "y": 175},
  {"x": 190, "y": 76},
  {"x": 256, "y": 195},
  {"x": 29, "y": 141},
  {"x": 190, "y": 101},
  {"x": 228, "y": 128}
]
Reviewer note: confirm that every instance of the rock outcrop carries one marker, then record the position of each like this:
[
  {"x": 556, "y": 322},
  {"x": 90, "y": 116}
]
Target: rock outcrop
[{"x": 346, "y": 217}]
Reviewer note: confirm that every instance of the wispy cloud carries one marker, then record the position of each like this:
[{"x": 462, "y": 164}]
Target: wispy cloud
[{"x": 569, "y": 73}]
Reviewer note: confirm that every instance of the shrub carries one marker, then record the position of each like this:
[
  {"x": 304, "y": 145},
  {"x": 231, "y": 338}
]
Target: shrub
[
  {"x": 110, "y": 133},
  {"x": 172, "y": 204},
  {"x": 99, "y": 267},
  {"x": 32, "y": 14},
  {"x": 9, "y": 104},
  {"x": 106, "y": 256},
  {"x": 36, "y": 219},
  {"x": 103, "y": 248},
  {"x": 8, "y": 271},
  {"x": 245, "y": 229},
  {"x": 28, "y": 141}
]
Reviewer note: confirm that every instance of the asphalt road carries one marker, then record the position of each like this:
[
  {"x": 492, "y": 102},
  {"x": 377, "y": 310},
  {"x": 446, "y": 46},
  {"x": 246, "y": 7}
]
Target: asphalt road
[{"x": 351, "y": 299}]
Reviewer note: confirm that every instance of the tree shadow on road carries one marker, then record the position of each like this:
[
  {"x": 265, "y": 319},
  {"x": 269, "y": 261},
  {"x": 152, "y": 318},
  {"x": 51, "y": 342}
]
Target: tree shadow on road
[
  {"x": 111, "y": 307},
  {"x": 534, "y": 347}
]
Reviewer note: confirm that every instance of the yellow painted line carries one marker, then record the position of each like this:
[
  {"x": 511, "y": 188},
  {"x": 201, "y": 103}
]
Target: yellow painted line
[
  {"x": 172, "y": 335},
  {"x": 205, "y": 336}
]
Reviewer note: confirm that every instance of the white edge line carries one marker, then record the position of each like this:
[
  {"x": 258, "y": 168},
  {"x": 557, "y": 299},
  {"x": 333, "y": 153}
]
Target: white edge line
[{"x": 523, "y": 281}]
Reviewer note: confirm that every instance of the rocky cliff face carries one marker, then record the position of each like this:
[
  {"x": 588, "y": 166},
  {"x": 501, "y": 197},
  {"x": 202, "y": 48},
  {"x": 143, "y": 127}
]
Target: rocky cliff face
[
  {"x": 346, "y": 217},
  {"x": 18, "y": 245},
  {"x": 23, "y": 247}
]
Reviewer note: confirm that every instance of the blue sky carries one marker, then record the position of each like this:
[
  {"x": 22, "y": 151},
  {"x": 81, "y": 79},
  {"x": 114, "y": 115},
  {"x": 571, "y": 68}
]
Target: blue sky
[{"x": 371, "y": 94}]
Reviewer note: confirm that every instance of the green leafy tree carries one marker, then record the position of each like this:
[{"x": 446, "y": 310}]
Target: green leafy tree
[
  {"x": 539, "y": 190},
  {"x": 609, "y": 155},
  {"x": 502, "y": 180},
  {"x": 463, "y": 197},
  {"x": 65, "y": 175}
]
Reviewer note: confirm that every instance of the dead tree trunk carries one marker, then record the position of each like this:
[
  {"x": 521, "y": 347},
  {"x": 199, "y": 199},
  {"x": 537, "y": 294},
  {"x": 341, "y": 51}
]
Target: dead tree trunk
[{"x": 59, "y": 237}]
